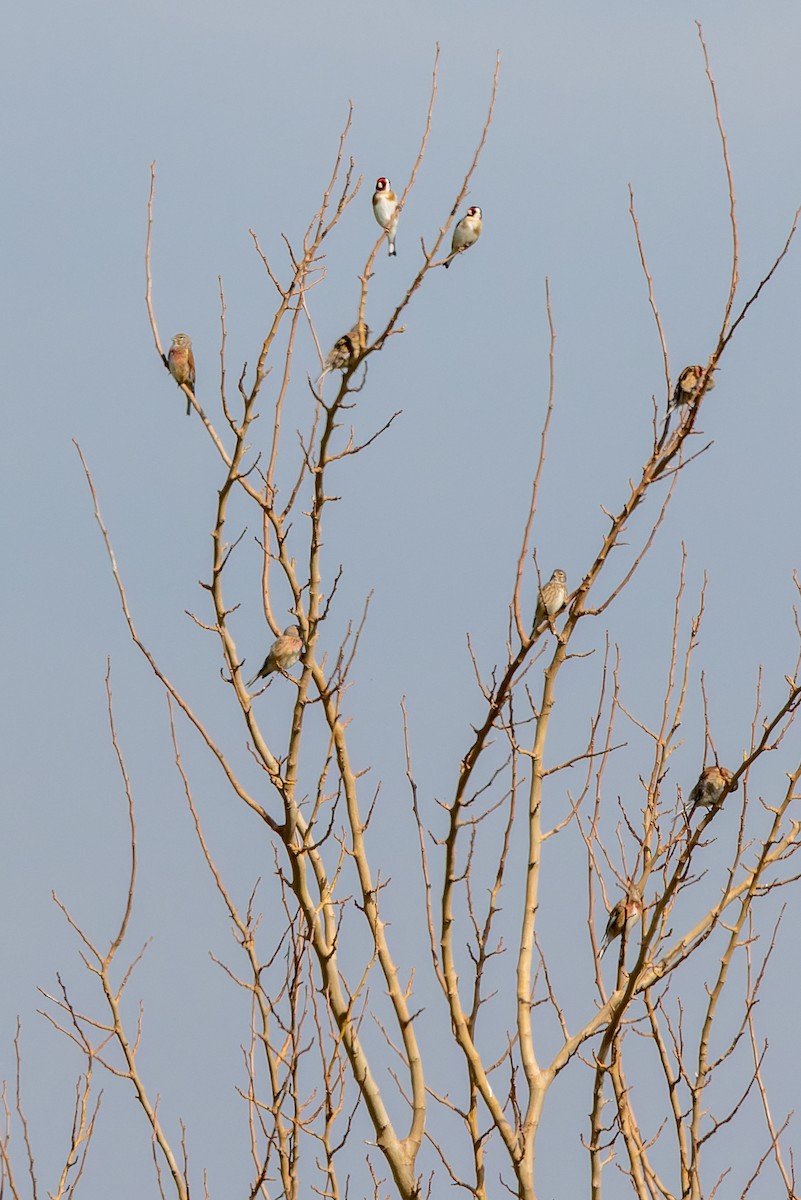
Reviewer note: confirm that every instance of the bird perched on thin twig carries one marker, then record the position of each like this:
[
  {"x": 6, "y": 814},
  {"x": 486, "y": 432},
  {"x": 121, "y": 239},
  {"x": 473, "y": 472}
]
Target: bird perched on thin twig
[
  {"x": 708, "y": 791},
  {"x": 181, "y": 362},
  {"x": 687, "y": 385},
  {"x": 466, "y": 233},
  {"x": 552, "y": 597},
  {"x": 347, "y": 351},
  {"x": 625, "y": 915},
  {"x": 385, "y": 207},
  {"x": 284, "y": 653}
]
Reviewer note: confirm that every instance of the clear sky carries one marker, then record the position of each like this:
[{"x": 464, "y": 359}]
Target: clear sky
[{"x": 241, "y": 106}]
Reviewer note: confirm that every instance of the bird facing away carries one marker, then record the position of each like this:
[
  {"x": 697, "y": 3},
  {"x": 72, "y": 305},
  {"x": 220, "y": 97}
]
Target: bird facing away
[
  {"x": 687, "y": 385},
  {"x": 552, "y": 598},
  {"x": 625, "y": 915},
  {"x": 347, "y": 351},
  {"x": 385, "y": 207},
  {"x": 466, "y": 233},
  {"x": 284, "y": 653},
  {"x": 709, "y": 789},
  {"x": 181, "y": 362}
]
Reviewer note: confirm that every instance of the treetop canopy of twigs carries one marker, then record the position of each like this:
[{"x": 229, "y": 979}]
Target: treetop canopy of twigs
[{"x": 432, "y": 916}]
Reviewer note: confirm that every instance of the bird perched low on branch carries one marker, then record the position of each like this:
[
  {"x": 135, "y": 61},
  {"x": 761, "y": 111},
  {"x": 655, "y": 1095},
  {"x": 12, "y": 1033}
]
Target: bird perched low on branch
[
  {"x": 687, "y": 385},
  {"x": 181, "y": 362},
  {"x": 347, "y": 351},
  {"x": 625, "y": 915},
  {"x": 466, "y": 233},
  {"x": 385, "y": 207},
  {"x": 708, "y": 791},
  {"x": 284, "y": 653},
  {"x": 552, "y": 598}
]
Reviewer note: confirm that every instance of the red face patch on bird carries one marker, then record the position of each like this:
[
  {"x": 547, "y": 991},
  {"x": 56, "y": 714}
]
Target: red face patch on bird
[{"x": 381, "y": 184}]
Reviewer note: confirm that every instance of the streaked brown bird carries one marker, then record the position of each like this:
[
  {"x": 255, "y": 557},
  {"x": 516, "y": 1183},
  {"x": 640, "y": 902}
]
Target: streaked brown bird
[
  {"x": 284, "y": 653},
  {"x": 625, "y": 915},
  {"x": 347, "y": 351},
  {"x": 385, "y": 207},
  {"x": 466, "y": 233},
  {"x": 687, "y": 385},
  {"x": 708, "y": 791},
  {"x": 552, "y": 598},
  {"x": 181, "y": 362}
]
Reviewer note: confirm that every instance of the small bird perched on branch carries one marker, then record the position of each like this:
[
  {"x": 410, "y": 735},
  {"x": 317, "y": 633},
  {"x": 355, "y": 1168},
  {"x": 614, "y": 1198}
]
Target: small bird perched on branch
[
  {"x": 708, "y": 791},
  {"x": 625, "y": 915},
  {"x": 385, "y": 207},
  {"x": 687, "y": 385},
  {"x": 181, "y": 362},
  {"x": 552, "y": 598},
  {"x": 466, "y": 233},
  {"x": 347, "y": 351},
  {"x": 284, "y": 653}
]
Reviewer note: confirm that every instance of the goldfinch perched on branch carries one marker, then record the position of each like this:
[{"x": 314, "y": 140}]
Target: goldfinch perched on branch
[
  {"x": 346, "y": 351},
  {"x": 466, "y": 233},
  {"x": 687, "y": 385},
  {"x": 385, "y": 207}
]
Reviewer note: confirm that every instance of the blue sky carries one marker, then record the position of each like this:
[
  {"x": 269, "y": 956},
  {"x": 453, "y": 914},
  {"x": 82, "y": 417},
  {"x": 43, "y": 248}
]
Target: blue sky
[{"x": 241, "y": 108}]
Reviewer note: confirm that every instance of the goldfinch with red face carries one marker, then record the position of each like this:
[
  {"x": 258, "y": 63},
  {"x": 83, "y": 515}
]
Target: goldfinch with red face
[
  {"x": 688, "y": 384},
  {"x": 181, "y": 362},
  {"x": 466, "y": 233},
  {"x": 385, "y": 207}
]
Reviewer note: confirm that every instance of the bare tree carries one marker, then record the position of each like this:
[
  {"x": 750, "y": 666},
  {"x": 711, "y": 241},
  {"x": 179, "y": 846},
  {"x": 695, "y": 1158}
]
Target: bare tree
[{"x": 340, "y": 1094}]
